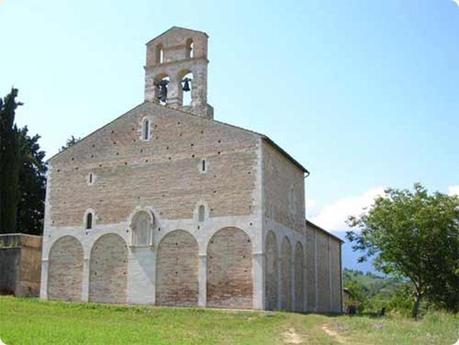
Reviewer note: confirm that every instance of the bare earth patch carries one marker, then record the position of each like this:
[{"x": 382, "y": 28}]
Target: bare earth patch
[
  {"x": 333, "y": 334},
  {"x": 291, "y": 337}
]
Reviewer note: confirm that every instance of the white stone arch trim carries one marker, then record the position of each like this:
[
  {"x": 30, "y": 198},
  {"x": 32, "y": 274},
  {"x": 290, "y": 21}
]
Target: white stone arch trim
[
  {"x": 164, "y": 235},
  {"x": 55, "y": 240},
  {"x": 153, "y": 223},
  {"x": 210, "y": 235},
  {"x": 97, "y": 238}
]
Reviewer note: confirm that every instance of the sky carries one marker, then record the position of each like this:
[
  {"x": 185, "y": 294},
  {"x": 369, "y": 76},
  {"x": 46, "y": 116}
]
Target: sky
[{"x": 365, "y": 94}]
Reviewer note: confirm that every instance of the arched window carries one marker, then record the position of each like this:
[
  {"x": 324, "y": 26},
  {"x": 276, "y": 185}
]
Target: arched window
[
  {"x": 201, "y": 213},
  {"x": 189, "y": 48},
  {"x": 142, "y": 229},
  {"x": 146, "y": 129},
  {"x": 159, "y": 53},
  {"x": 89, "y": 221}
]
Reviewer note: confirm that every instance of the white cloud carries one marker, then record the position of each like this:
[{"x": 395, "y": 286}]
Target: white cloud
[
  {"x": 333, "y": 217},
  {"x": 456, "y": 2},
  {"x": 453, "y": 190},
  {"x": 311, "y": 203}
]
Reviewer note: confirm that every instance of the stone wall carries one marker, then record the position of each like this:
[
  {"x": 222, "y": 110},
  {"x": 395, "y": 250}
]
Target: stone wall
[{"x": 20, "y": 264}]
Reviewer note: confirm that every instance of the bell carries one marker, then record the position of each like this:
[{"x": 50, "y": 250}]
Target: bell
[
  {"x": 161, "y": 90},
  {"x": 186, "y": 84}
]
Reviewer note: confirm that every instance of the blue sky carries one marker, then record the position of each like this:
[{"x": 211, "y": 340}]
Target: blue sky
[{"x": 365, "y": 94}]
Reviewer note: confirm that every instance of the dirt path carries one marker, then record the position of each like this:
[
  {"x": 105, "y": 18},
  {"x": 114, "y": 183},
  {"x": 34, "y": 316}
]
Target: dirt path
[
  {"x": 291, "y": 337},
  {"x": 333, "y": 334}
]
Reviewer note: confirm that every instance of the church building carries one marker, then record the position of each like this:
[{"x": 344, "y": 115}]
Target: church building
[{"x": 167, "y": 206}]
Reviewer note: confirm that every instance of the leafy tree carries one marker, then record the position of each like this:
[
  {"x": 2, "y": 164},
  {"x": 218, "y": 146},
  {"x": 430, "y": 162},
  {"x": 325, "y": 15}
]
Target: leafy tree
[
  {"x": 10, "y": 163},
  {"x": 69, "y": 143},
  {"x": 22, "y": 174},
  {"x": 414, "y": 234},
  {"x": 32, "y": 185}
]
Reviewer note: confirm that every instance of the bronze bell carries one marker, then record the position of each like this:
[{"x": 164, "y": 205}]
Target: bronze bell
[{"x": 186, "y": 84}]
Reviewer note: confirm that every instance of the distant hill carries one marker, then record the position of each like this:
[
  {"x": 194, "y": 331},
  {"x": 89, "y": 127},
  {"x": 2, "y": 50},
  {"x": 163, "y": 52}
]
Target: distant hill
[{"x": 372, "y": 284}]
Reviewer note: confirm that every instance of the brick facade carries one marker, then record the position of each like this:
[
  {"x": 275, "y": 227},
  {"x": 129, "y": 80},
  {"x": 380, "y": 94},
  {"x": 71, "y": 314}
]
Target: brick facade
[
  {"x": 229, "y": 269},
  {"x": 271, "y": 271},
  {"x": 108, "y": 270},
  {"x": 65, "y": 269},
  {"x": 226, "y": 205},
  {"x": 177, "y": 270}
]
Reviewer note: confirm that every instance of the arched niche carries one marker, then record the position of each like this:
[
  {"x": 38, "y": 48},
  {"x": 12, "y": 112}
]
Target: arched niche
[
  {"x": 229, "y": 269},
  {"x": 271, "y": 271},
  {"x": 65, "y": 269},
  {"x": 177, "y": 266},
  {"x": 108, "y": 270}
]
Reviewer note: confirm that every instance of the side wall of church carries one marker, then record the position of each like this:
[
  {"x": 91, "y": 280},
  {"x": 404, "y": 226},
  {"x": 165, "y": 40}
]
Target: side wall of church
[
  {"x": 162, "y": 176},
  {"x": 283, "y": 231},
  {"x": 323, "y": 271}
]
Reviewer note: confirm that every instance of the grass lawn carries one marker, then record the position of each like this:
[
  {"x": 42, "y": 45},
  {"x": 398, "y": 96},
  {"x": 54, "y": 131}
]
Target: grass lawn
[{"x": 31, "y": 321}]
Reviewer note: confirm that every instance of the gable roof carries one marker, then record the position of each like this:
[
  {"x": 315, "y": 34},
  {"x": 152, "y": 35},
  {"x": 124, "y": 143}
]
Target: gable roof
[
  {"x": 323, "y": 230},
  {"x": 176, "y": 28},
  {"x": 262, "y": 136}
]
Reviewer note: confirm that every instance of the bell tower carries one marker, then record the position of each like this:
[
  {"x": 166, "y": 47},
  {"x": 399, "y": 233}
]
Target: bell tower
[{"x": 176, "y": 71}]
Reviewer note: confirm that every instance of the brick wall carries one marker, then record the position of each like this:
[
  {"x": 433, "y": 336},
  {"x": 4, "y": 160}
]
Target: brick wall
[
  {"x": 323, "y": 272},
  {"x": 335, "y": 260},
  {"x": 65, "y": 269},
  {"x": 271, "y": 271},
  {"x": 286, "y": 275},
  {"x": 108, "y": 270},
  {"x": 310, "y": 269},
  {"x": 163, "y": 172},
  {"x": 283, "y": 189},
  {"x": 177, "y": 266},
  {"x": 229, "y": 269},
  {"x": 299, "y": 277}
]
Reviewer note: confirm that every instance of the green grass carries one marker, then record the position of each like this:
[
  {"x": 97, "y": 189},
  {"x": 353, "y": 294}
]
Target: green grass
[{"x": 31, "y": 321}]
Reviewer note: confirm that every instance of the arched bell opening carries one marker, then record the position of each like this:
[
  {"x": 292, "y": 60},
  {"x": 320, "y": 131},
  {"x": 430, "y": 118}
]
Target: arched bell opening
[
  {"x": 186, "y": 89},
  {"x": 161, "y": 83}
]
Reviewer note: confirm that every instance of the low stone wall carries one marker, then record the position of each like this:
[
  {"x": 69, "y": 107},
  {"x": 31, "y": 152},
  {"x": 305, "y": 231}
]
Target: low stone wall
[{"x": 20, "y": 264}]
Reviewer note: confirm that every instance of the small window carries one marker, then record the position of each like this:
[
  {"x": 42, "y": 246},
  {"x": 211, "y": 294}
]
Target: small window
[
  {"x": 203, "y": 166},
  {"x": 141, "y": 229},
  {"x": 146, "y": 130},
  {"x": 89, "y": 221},
  {"x": 159, "y": 54},
  {"x": 189, "y": 48},
  {"x": 201, "y": 213},
  {"x": 91, "y": 179}
]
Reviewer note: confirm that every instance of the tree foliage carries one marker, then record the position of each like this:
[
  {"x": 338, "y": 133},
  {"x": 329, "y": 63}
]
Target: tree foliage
[
  {"x": 69, "y": 143},
  {"x": 414, "y": 234},
  {"x": 22, "y": 174},
  {"x": 10, "y": 163},
  {"x": 32, "y": 184}
]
